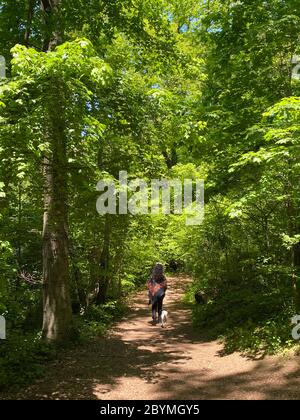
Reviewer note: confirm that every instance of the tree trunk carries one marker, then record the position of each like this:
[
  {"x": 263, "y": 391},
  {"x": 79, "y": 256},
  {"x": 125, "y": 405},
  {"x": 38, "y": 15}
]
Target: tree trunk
[
  {"x": 79, "y": 299},
  {"x": 57, "y": 311},
  {"x": 53, "y": 32},
  {"x": 104, "y": 265},
  {"x": 57, "y": 303},
  {"x": 29, "y": 22},
  {"x": 296, "y": 258},
  {"x": 294, "y": 229}
]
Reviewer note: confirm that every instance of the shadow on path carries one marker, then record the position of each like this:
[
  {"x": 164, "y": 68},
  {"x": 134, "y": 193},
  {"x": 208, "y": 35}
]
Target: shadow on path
[{"x": 140, "y": 361}]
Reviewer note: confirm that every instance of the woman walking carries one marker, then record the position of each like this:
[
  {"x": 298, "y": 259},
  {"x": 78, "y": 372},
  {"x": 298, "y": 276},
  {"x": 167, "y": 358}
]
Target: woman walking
[{"x": 157, "y": 286}]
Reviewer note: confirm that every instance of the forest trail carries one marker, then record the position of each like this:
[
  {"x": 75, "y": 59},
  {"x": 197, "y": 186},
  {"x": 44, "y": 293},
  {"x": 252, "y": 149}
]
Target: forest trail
[{"x": 140, "y": 361}]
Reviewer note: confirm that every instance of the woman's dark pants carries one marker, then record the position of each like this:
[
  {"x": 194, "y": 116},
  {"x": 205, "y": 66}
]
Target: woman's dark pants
[{"x": 157, "y": 307}]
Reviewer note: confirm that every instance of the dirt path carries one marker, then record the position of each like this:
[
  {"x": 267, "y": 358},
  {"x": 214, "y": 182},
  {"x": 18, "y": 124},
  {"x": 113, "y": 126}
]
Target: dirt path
[{"x": 140, "y": 361}]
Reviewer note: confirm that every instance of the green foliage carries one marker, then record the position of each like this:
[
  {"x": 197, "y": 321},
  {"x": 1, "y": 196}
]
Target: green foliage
[
  {"x": 22, "y": 358},
  {"x": 97, "y": 319},
  {"x": 177, "y": 89},
  {"x": 270, "y": 337},
  {"x": 248, "y": 320},
  {"x": 245, "y": 256}
]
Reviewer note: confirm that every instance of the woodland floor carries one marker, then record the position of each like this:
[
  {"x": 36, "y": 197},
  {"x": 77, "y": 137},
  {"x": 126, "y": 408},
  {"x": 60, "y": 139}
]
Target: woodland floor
[{"x": 140, "y": 361}]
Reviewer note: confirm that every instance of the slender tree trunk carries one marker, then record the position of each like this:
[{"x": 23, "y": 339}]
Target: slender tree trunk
[
  {"x": 104, "y": 265},
  {"x": 296, "y": 258},
  {"x": 294, "y": 229},
  {"x": 29, "y": 21},
  {"x": 80, "y": 298},
  {"x": 53, "y": 32},
  {"x": 19, "y": 241},
  {"x": 57, "y": 311},
  {"x": 296, "y": 250}
]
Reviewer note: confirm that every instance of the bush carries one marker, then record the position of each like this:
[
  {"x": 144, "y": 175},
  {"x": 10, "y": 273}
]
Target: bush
[
  {"x": 248, "y": 320},
  {"x": 97, "y": 319},
  {"x": 22, "y": 357},
  {"x": 128, "y": 284},
  {"x": 270, "y": 337}
]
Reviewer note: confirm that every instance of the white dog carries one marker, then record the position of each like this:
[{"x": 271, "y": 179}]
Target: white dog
[{"x": 163, "y": 318}]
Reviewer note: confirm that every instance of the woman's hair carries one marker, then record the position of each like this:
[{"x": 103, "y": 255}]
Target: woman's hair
[{"x": 158, "y": 271}]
